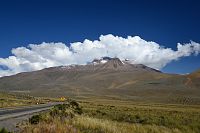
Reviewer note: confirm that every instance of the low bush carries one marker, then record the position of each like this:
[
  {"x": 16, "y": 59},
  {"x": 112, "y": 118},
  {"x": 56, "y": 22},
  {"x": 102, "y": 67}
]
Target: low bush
[
  {"x": 3, "y": 130},
  {"x": 35, "y": 119},
  {"x": 62, "y": 111},
  {"x": 68, "y": 109}
]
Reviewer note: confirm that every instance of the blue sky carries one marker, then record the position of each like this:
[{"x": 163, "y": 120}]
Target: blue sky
[{"x": 165, "y": 22}]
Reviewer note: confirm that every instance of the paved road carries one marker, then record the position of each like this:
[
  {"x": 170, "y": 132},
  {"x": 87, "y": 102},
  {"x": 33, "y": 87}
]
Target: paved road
[{"x": 10, "y": 117}]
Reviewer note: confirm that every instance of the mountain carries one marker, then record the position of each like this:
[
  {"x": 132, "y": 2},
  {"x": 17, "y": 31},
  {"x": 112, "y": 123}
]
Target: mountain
[
  {"x": 193, "y": 79},
  {"x": 106, "y": 78}
]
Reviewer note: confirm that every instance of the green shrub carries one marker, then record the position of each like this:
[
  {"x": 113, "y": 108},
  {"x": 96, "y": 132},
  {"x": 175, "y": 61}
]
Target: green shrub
[
  {"x": 75, "y": 107},
  {"x": 3, "y": 130},
  {"x": 68, "y": 109},
  {"x": 35, "y": 119},
  {"x": 62, "y": 110}
]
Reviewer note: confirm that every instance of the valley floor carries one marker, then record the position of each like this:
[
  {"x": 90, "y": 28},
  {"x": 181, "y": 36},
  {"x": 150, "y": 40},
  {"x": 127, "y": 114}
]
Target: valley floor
[
  {"x": 112, "y": 116},
  {"x": 12, "y": 100}
]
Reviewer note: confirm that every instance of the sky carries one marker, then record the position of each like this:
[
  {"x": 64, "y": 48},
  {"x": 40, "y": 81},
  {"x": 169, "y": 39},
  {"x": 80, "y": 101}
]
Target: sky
[{"x": 35, "y": 34}]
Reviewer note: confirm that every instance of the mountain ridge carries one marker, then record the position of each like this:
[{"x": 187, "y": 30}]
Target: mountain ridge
[{"x": 113, "y": 78}]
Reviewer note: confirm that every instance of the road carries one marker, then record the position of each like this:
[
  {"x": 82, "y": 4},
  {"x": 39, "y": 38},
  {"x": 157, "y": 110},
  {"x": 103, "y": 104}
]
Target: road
[{"x": 10, "y": 117}]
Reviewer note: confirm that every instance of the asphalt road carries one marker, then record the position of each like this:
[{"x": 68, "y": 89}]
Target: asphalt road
[{"x": 10, "y": 117}]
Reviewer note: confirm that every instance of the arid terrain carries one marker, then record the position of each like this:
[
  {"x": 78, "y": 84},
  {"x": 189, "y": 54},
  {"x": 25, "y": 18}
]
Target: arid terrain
[
  {"x": 110, "y": 96},
  {"x": 114, "y": 79}
]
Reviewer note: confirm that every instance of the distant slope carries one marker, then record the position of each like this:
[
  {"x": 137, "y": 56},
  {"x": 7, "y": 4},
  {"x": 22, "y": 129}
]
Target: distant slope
[
  {"x": 193, "y": 79},
  {"x": 110, "y": 78}
]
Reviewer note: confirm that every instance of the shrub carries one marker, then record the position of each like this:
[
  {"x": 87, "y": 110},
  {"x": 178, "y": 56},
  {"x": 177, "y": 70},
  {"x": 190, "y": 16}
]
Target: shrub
[
  {"x": 68, "y": 109},
  {"x": 35, "y": 119},
  {"x": 75, "y": 107},
  {"x": 3, "y": 130},
  {"x": 61, "y": 111}
]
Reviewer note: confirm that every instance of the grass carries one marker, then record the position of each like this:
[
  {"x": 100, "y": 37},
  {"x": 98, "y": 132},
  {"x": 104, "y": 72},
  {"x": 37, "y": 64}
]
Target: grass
[
  {"x": 14, "y": 100},
  {"x": 94, "y": 125},
  {"x": 184, "y": 118},
  {"x": 85, "y": 124},
  {"x": 55, "y": 126},
  {"x": 120, "y": 117},
  {"x": 11, "y": 100}
]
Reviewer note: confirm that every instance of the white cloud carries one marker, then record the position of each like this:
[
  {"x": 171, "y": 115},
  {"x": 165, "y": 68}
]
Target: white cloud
[{"x": 39, "y": 56}]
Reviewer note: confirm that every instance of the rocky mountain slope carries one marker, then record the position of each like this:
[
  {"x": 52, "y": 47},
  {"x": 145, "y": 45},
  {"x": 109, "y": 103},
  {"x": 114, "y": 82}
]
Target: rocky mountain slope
[{"x": 107, "y": 77}]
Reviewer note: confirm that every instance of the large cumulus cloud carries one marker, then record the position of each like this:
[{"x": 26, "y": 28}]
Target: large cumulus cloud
[{"x": 39, "y": 56}]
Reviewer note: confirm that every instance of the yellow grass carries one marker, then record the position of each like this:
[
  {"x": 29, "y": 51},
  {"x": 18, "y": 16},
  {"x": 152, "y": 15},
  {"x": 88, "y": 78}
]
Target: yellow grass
[
  {"x": 55, "y": 126},
  {"x": 107, "y": 126},
  {"x": 85, "y": 124}
]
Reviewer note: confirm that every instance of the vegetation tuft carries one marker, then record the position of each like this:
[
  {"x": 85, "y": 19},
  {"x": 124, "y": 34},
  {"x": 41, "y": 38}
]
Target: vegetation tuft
[{"x": 3, "y": 130}]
